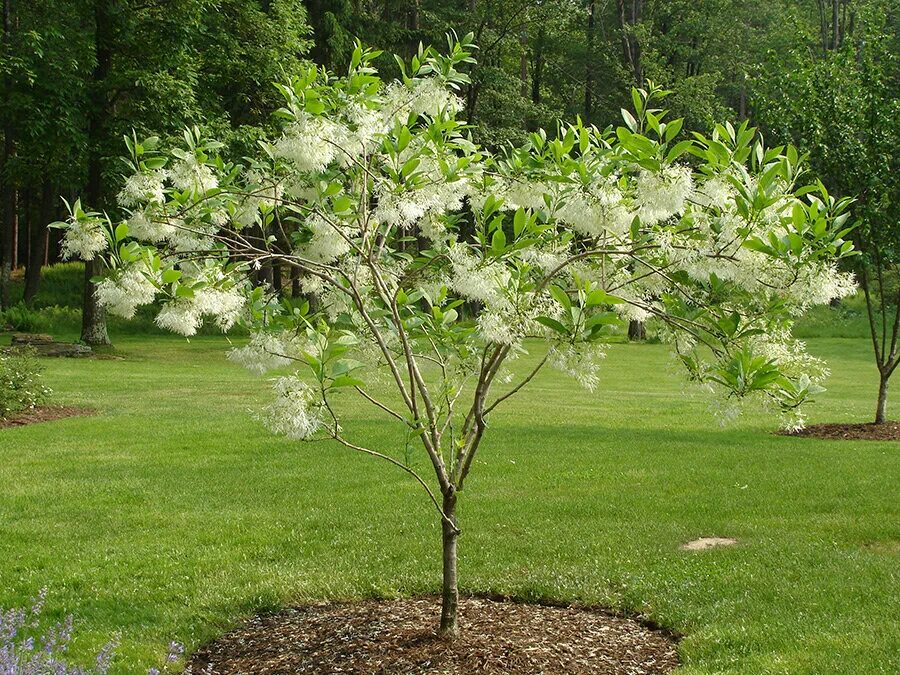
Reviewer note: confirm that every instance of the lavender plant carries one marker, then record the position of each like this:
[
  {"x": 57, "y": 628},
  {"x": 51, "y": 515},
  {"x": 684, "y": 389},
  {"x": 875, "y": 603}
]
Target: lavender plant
[
  {"x": 25, "y": 650},
  {"x": 426, "y": 257}
]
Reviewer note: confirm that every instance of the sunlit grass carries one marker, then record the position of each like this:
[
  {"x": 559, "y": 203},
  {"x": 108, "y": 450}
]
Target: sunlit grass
[{"x": 172, "y": 513}]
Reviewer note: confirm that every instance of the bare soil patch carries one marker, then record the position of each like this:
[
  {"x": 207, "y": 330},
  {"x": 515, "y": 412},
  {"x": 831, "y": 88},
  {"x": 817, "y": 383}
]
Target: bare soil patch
[
  {"x": 704, "y": 543},
  {"x": 398, "y": 636},
  {"x": 888, "y": 431},
  {"x": 44, "y": 413}
]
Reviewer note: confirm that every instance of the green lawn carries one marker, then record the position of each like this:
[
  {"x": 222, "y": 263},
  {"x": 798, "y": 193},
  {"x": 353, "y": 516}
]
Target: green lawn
[{"x": 172, "y": 514}]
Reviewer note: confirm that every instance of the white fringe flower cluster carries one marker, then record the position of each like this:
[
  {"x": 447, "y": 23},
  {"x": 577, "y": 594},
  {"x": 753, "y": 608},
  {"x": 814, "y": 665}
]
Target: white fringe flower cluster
[
  {"x": 84, "y": 239},
  {"x": 662, "y": 194},
  {"x": 296, "y": 411},
  {"x": 185, "y": 315},
  {"x": 123, "y": 294},
  {"x": 265, "y": 351},
  {"x": 143, "y": 188},
  {"x": 581, "y": 361},
  {"x": 311, "y": 143}
]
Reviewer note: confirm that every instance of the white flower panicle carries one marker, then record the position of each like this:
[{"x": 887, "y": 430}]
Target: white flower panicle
[
  {"x": 191, "y": 174},
  {"x": 84, "y": 239},
  {"x": 123, "y": 294},
  {"x": 265, "y": 351},
  {"x": 141, "y": 227},
  {"x": 327, "y": 243},
  {"x": 581, "y": 361},
  {"x": 296, "y": 411},
  {"x": 185, "y": 315},
  {"x": 663, "y": 194},
  {"x": 144, "y": 187},
  {"x": 312, "y": 143},
  {"x": 485, "y": 282}
]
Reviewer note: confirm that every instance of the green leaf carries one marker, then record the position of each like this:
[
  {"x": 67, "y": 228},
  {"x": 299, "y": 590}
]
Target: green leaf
[
  {"x": 171, "y": 276},
  {"x": 346, "y": 381},
  {"x": 552, "y": 324},
  {"x": 498, "y": 242},
  {"x": 561, "y": 296},
  {"x": 673, "y": 128}
]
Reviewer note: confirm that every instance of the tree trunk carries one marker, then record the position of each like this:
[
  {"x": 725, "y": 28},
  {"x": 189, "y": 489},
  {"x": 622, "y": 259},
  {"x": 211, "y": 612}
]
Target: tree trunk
[
  {"x": 295, "y": 282},
  {"x": 93, "y": 314},
  {"x": 589, "y": 64},
  {"x": 881, "y": 410},
  {"x": 37, "y": 245},
  {"x": 8, "y": 207},
  {"x": 637, "y": 331},
  {"x": 450, "y": 593}
]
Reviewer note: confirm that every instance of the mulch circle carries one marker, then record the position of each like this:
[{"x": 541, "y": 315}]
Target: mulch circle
[
  {"x": 887, "y": 431},
  {"x": 46, "y": 413},
  {"x": 399, "y": 636}
]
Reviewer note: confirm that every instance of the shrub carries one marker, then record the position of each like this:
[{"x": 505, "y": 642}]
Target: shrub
[{"x": 20, "y": 383}]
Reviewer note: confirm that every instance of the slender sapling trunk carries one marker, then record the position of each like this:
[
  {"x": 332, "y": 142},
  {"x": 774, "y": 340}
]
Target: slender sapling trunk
[{"x": 450, "y": 593}]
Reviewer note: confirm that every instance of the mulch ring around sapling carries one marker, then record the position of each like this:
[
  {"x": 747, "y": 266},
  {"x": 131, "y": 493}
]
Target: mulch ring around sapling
[
  {"x": 44, "y": 413},
  {"x": 399, "y": 636},
  {"x": 887, "y": 431}
]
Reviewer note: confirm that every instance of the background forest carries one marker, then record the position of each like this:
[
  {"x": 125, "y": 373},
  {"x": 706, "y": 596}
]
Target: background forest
[{"x": 76, "y": 76}]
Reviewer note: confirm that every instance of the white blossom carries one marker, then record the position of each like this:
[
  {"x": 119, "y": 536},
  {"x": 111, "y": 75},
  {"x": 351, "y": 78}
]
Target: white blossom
[
  {"x": 296, "y": 411},
  {"x": 662, "y": 194},
  {"x": 142, "y": 227},
  {"x": 84, "y": 239},
  {"x": 191, "y": 174},
  {"x": 327, "y": 242},
  {"x": 581, "y": 361},
  {"x": 143, "y": 188},
  {"x": 311, "y": 143},
  {"x": 477, "y": 280},
  {"x": 185, "y": 315},
  {"x": 265, "y": 351},
  {"x": 123, "y": 294},
  {"x": 179, "y": 316}
]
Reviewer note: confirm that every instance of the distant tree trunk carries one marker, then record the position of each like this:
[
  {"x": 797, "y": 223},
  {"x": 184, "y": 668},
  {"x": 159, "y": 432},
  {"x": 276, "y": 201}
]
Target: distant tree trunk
[
  {"x": 10, "y": 212},
  {"x": 629, "y": 17},
  {"x": 93, "y": 315},
  {"x": 37, "y": 245},
  {"x": 884, "y": 330},
  {"x": 450, "y": 592},
  {"x": 537, "y": 67},
  {"x": 589, "y": 63},
  {"x": 8, "y": 208},
  {"x": 277, "y": 281},
  {"x": 637, "y": 331},
  {"x": 523, "y": 64},
  {"x": 295, "y": 282},
  {"x": 835, "y": 24}
]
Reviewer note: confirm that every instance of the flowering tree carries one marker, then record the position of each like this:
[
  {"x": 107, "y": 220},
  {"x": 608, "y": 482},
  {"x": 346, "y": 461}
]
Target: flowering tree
[{"x": 437, "y": 261}]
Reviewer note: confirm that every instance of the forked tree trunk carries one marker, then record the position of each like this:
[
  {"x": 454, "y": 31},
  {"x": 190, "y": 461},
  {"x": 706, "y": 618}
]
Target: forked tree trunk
[
  {"x": 881, "y": 410},
  {"x": 450, "y": 593}
]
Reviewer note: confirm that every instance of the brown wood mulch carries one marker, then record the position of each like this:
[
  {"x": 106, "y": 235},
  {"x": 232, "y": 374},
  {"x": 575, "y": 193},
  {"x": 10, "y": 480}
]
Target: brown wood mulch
[
  {"x": 398, "y": 636},
  {"x": 887, "y": 431},
  {"x": 44, "y": 413}
]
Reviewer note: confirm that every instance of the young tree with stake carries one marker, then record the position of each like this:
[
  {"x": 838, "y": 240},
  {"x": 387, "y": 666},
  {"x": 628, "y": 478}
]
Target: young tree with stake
[{"x": 399, "y": 226}]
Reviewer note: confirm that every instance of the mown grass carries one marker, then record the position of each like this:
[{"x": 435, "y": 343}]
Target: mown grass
[{"x": 172, "y": 514}]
